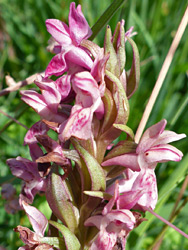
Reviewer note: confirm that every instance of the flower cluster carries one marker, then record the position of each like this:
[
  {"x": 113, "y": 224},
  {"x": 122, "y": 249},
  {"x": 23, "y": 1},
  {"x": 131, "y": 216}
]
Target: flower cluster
[{"x": 91, "y": 185}]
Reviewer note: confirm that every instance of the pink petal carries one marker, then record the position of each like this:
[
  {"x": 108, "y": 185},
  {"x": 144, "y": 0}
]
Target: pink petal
[
  {"x": 146, "y": 182},
  {"x": 167, "y": 137},
  {"x": 24, "y": 248},
  {"x": 86, "y": 88},
  {"x": 39, "y": 128},
  {"x": 57, "y": 66},
  {"x": 113, "y": 200},
  {"x": 126, "y": 160},
  {"x": 125, "y": 185},
  {"x": 130, "y": 33},
  {"x": 79, "y": 28},
  {"x": 94, "y": 221},
  {"x": 23, "y": 168},
  {"x": 104, "y": 241},
  {"x": 36, "y": 218},
  {"x": 30, "y": 189},
  {"x": 78, "y": 56},
  {"x": 63, "y": 85},
  {"x": 50, "y": 93},
  {"x": 99, "y": 64},
  {"x": 35, "y": 151},
  {"x": 59, "y": 31},
  {"x": 33, "y": 99},
  {"x": 122, "y": 215},
  {"x": 150, "y": 136},
  {"x": 129, "y": 199},
  {"x": 163, "y": 153},
  {"x": 79, "y": 124},
  {"x": 37, "y": 102}
]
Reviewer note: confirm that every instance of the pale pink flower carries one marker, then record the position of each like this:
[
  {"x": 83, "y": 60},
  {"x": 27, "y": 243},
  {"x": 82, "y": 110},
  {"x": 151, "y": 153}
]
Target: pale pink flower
[
  {"x": 114, "y": 225},
  {"x": 139, "y": 190},
  {"x": 152, "y": 148}
]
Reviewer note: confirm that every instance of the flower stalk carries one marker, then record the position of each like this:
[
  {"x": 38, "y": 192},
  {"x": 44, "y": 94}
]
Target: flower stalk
[{"x": 92, "y": 181}]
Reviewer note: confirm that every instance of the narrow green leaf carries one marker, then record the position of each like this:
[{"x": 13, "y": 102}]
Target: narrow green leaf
[
  {"x": 71, "y": 240},
  {"x": 122, "y": 147},
  {"x": 120, "y": 99},
  {"x": 112, "y": 63},
  {"x": 110, "y": 111},
  {"x": 98, "y": 194},
  {"x": 98, "y": 181},
  {"x": 122, "y": 114},
  {"x": 55, "y": 242},
  {"x": 119, "y": 45},
  {"x": 106, "y": 16},
  {"x": 125, "y": 129},
  {"x": 61, "y": 201}
]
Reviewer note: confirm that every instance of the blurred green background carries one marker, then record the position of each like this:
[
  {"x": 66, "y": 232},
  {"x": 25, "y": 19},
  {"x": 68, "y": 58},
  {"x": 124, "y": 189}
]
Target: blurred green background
[{"x": 23, "y": 41}]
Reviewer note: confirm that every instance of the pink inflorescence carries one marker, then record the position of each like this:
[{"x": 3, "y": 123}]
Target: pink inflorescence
[{"x": 92, "y": 184}]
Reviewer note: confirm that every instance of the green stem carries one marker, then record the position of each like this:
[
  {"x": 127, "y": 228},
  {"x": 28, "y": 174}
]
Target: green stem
[
  {"x": 179, "y": 111},
  {"x": 106, "y": 16}
]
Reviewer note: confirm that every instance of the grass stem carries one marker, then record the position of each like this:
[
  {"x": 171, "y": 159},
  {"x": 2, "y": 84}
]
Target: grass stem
[{"x": 162, "y": 75}]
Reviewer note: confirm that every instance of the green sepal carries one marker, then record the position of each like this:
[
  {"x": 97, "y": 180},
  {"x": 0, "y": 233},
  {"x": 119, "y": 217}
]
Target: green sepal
[
  {"x": 56, "y": 242},
  {"x": 110, "y": 111},
  {"x": 120, "y": 99},
  {"x": 71, "y": 154},
  {"x": 60, "y": 199},
  {"x": 123, "y": 147},
  {"x": 97, "y": 176},
  {"x": 134, "y": 75},
  {"x": 125, "y": 129},
  {"x": 119, "y": 45},
  {"x": 121, "y": 50},
  {"x": 71, "y": 241},
  {"x": 114, "y": 171},
  {"x": 122, "y": 114},
  {"x": 116, "y": 35},
  {"x": 112, "y": 63},
  {"x": 98, "y": 194}
]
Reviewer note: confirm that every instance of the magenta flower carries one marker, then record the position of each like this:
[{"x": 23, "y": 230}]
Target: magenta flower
[
  {"x": 39, "y": 128},
  {"x": 45, "y": 104},
  {"x": 68, "y": 42},
  {"x": 88, "y": 101},
  {"x": 89, "y": 89}
]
